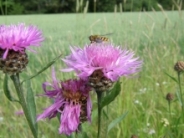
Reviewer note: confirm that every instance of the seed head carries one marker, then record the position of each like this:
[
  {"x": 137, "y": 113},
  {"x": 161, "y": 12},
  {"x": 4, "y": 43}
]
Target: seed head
[
  {"x": 179, "y": 66},
  {"x": 134, "y": 136},
  {"x": 99, "y": 82},
  {"x": 169, "y": 97},
  {"x": 15, "y": 62}
]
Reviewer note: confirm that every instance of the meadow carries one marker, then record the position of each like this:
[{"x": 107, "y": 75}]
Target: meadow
[{"x": 156, "y": 37}]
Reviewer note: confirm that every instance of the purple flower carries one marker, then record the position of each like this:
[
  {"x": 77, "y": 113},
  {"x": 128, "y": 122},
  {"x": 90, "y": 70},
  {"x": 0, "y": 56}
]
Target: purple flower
[
  {"x": 112, "y": 61},
  {"x": 71, "y": 101},
  {"x": 19, "y": 37}
]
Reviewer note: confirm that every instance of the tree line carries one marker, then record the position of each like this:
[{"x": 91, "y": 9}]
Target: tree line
[{"x": 11, "y": 7}]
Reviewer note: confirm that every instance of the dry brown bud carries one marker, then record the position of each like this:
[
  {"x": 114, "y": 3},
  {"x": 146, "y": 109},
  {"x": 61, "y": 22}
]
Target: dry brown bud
[
  {"x": 134, "y": 136},
  {"x": 179, "y": 66},
  {"x": 169, "y": 96}
]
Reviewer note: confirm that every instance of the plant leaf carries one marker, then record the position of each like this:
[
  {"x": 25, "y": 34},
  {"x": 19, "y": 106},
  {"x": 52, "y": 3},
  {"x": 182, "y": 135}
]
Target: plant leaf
[
  {"x": 31, "y": 106},
  {"x": 105, "y": 114},
  {"x": 111, "y": 95},
  {"x": 116, "y": 121},
  {"x": 6, "y": 90},
  {"x": 179, "y": 97},
  {"x": 174, "y": 79},
  {"x": 82, "y": 135},
  {"x": 43, "y": 69}
]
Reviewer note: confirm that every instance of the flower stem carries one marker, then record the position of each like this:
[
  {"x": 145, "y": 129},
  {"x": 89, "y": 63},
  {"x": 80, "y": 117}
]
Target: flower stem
[
  {"x": 99, "y": 97},
  {"x": 16, "y": 81},
  {"x": 169, "y": 103},
  {"x": 181, "y": 97}
]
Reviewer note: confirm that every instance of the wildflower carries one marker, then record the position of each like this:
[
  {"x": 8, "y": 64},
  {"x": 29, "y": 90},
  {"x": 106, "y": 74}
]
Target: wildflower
[
  {"x": 169, "y": 97},
  {"x": 71, "y": 101},
  {"x": 137, "y": 102},
  {"x": 151, "y": 132},
  {"x": 179, "y": 66},
  {"x": 1, "y": 119},
  {"x": 19, "y": 112},
  {"x": 102, "y": 64},
  {"x": 165, "y": 122},
  {"x": 14, "y": 40}
]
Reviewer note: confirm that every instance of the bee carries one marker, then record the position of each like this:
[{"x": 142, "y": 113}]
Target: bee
[{"x": 99, "y": 38}]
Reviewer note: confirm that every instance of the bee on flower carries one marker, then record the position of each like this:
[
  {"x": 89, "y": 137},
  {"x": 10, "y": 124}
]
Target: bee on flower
[{"x": 102, "y": 64}]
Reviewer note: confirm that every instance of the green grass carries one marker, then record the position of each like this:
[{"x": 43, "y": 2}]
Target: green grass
[{"x": 157, "y": 37}]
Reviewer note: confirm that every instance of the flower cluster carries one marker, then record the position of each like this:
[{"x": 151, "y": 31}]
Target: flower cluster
[{"x": 97, "y": 65}]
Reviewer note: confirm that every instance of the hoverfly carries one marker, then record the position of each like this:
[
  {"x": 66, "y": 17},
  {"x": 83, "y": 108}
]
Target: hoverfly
[{"x": 99, "y": 38}]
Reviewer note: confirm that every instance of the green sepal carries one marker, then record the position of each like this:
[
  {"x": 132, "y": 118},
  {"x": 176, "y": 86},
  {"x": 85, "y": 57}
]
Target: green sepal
[
  {"x": 6, "y": 90},
  {"x": 112, "y": 94},
  {"x": 116, "y": 121}
]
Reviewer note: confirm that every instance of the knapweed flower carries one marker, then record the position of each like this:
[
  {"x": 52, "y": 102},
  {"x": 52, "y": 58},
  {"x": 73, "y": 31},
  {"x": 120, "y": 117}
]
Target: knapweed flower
[
  {"x": 71, "y": 101},
  {"x": 169, "y": 97},
  {"x": 14, "y": 40},
  {"x": 179, "y": 66},
  {"x": 102, "y": 64}
]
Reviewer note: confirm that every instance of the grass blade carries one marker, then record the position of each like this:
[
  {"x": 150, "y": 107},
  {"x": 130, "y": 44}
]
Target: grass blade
[
  {"x": 174, "y": 79},
  {"x": 116, "y": 121},
  {"x": 43, "y": 69}
]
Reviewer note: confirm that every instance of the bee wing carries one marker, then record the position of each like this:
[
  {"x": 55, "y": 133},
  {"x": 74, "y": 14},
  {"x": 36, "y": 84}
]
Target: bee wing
[
  {"x": 106, "y": 34},
  {"x": 98, "y": 40}
]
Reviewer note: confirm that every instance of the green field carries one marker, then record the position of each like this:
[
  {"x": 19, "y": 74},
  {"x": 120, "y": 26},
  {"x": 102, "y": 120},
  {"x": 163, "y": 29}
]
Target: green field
[{"x": 157, "y": 37}]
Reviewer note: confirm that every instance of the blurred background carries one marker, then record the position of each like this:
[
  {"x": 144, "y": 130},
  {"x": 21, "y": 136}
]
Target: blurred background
[{"x": 14, "y": 7}]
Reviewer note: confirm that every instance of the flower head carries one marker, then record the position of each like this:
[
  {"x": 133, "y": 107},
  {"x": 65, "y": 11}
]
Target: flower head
[
  {"x": 18, "y": 37},
  {"x": 112, "y": 61},
  {"x": 71, "y": 101},
  {"x": 102, "y": 61},
  {"x": 179, "y": 66}
]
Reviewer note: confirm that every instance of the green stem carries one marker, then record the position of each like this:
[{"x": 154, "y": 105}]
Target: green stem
[
  {"x": 99, "y": 97},
  {"x": 169, "y": 103},
  {"x": 106, "y": 123},
  {"x": 181, "y": 97},
  {"x": 16, "y": 81}
]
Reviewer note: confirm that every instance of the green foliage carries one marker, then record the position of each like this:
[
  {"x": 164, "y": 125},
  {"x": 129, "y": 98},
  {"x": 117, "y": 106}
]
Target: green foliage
[
  {"x": 43, "y": 69},
  {"x": 111, "y": 95},
  {"x": 6, "y": 89},
  {"x": 30, "y": 100},
  {"x": 12, "y": 7},
  {"x": 116, "y": 121}
]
